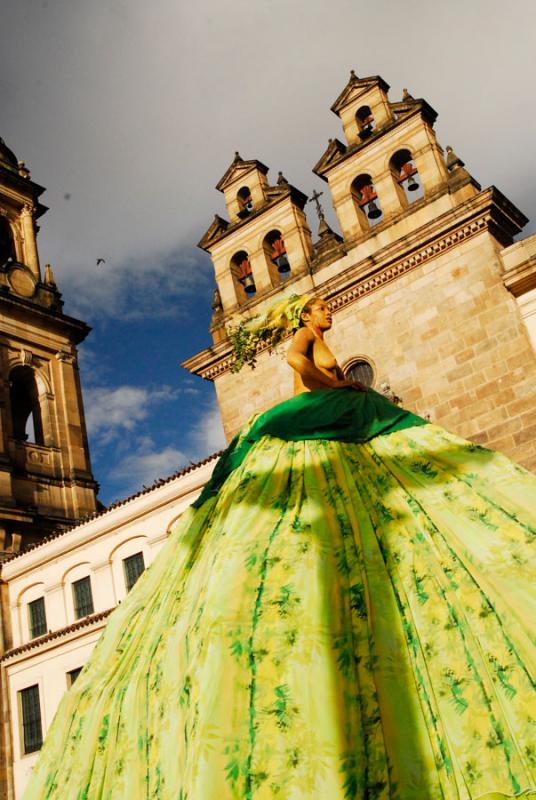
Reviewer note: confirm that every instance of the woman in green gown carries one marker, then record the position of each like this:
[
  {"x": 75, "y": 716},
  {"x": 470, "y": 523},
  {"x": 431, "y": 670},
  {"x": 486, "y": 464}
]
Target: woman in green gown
[{"x": 344, "y": 614}]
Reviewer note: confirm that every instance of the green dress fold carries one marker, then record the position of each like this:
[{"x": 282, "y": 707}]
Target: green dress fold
[
  {"x": 341, "y": 415},
  {"x": 338, "y": 619}
]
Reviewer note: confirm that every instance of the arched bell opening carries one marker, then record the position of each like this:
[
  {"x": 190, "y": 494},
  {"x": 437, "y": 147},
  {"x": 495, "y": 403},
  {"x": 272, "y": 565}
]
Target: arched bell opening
[
  {"x": 276, "y": 254},
  {"x": 366, "y": 201},
  {"x": 26, "y": 414},
  {"x": 243, "y": 276},
  {"x": 365, "y": 122},
  {"x": 7, "y": 248},
  {"x": 245, "y": 202},
  {"x": 406, "y": 177}
]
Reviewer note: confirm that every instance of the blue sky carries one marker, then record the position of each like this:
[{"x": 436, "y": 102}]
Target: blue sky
[
  {"x": 146, "y": 415},
  {"x": 130, "y": 112}
]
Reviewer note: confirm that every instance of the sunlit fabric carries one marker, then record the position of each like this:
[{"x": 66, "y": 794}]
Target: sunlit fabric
[{"x": 341, "y": 621}]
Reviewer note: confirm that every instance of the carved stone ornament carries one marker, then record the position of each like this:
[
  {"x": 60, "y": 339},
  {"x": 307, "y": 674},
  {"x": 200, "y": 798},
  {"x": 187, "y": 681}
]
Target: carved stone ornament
[
  {"x": 21, "y": 281},
  {"x": 24, "y": 172},
  {"x": 50, "y": 278},
  {"x": 65, "y": 357},
  {"x": 26, "y": 357},
  {"x": 385, "y": 389}
]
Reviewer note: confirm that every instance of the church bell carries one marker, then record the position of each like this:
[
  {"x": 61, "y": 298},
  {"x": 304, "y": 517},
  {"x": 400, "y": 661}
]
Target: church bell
[
  {"x": 282, "y": 264},
  {"x": 373, "y": 210},
  {"x": 249, "y": 284}
]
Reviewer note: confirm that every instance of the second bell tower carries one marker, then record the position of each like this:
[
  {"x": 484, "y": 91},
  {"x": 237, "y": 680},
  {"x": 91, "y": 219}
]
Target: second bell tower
[{"x": 46, "y": 481}]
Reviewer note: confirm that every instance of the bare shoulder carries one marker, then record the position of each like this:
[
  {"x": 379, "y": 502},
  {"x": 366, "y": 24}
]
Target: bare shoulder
[
  {"x": 303, "y": 335},
  {"x": 302, "y": 339}
]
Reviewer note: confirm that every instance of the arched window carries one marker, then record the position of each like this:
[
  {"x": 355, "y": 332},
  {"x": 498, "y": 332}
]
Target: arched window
[
  {"x": 25, "y": 406},
  {"x": 7, "y": 251},
  {"x": 366, "y": 200},
  {"x": 245, "y": 202},
  {"x": 360, "y": 370},
  {"x": 365, "y": 122},
  {"x": 243, "y": 275},
  {"x": 274, "y": 247},
  {"x": 406, "y": 176}
]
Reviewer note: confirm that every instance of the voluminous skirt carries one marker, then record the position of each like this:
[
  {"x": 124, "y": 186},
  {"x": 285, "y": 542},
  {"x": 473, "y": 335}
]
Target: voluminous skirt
[{"x": 340, "y": 621}]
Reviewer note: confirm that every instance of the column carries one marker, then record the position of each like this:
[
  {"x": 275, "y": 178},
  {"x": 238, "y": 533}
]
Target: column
[{"x": 31, "y": 257}]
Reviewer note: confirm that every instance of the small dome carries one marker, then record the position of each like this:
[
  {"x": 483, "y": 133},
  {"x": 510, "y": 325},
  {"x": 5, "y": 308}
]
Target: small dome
[{"x": 7, "y": 156}]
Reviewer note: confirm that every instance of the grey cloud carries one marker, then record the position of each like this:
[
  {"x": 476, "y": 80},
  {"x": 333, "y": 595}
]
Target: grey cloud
[{"x": 135, "y": 109}]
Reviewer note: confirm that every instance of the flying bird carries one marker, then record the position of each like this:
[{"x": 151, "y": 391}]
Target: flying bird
[{"x": 100, "y": 261}]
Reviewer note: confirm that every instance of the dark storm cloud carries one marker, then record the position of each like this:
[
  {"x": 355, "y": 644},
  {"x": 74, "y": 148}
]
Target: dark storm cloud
[{"x": 129, "y": 112}]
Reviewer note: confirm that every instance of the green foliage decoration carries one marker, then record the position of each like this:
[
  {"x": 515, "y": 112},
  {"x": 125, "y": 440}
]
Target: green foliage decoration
[{"x": 248, "y": 336}]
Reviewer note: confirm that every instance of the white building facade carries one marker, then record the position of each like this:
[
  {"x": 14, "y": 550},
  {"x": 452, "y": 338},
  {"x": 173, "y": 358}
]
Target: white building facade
[{"x": 60, "y": 594}]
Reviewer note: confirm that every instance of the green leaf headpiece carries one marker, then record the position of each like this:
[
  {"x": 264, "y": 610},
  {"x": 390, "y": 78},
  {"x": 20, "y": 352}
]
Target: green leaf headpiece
[{"x": 265, "y": 330}]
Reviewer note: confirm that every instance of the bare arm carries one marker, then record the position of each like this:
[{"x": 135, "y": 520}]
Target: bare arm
[{"x": 298, "y": 359}]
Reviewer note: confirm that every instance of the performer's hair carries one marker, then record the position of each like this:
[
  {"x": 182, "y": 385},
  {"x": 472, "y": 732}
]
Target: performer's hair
[{"x": 308, "y": 307}]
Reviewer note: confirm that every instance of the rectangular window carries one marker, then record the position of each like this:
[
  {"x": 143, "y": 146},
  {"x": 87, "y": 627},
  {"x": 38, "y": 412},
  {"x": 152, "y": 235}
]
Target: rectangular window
[
  {"x": 134, "y": 566},
  {"x": 38, "y": 619},
  {"x": 83, "y": 599},
  {"x": 31, "y": 719},
  {"x": 72, "y": 675}
]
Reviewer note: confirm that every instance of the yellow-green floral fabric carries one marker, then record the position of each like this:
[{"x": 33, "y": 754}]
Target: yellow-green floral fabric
[{"x": 342, "y": 622}]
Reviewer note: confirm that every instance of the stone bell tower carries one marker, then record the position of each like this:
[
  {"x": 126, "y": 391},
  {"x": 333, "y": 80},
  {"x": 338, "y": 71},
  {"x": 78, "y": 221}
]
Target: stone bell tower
[
  {"x": 429, "y": 292},
  {"x": 264, "y": 249},
  {"x": 45, "y": 473}
]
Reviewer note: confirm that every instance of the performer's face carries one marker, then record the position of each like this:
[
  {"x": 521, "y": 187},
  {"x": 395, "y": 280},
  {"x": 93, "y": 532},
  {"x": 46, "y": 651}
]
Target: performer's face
[{"x": 319, "y": 316}]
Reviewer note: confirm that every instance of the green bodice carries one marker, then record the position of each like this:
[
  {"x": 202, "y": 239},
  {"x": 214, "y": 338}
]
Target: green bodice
[{"x": 342, "y": 415}]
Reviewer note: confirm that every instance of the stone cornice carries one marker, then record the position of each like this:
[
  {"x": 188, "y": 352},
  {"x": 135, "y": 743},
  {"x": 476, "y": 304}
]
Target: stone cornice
[
  {"x": 22, "y": 188},
  {"x": 86, "y": 622},
  {"x": 386, "y": 275},
  {"x": 77, "y": 329},
  {"x": 238, "y": 168},
  {"x": 489, "y": 210},
  {"x": 357, "y": 87},
  {"x": 521, "y": 279}
]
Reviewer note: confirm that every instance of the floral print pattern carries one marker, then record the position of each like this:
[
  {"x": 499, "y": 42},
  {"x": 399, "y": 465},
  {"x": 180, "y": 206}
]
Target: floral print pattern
[{"x": 343, "y": 621}]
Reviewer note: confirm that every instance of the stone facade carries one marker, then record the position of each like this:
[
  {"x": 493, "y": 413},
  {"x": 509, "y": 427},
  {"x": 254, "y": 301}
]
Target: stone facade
[{"x": 426, "y": 285}]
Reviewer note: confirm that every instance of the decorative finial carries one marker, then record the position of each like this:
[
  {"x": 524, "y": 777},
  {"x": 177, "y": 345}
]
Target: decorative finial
[
  {"x": 453, "y": 161},
  {"x": 24, "y": 172},
  {"x": 323, "y": 227},
  {"x": 281, "y": 179},
  {"x": 49, "y": 275},
  {"x": 406, "y": 95},
  {"x": 216, "y": 301}
]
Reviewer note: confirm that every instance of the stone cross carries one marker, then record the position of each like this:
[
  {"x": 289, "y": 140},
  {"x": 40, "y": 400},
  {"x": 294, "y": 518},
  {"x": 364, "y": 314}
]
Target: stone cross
[{"x": 314, "y": 197}]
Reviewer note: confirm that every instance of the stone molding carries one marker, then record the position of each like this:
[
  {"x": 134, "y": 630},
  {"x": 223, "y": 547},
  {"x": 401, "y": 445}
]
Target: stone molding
[
  {"x": 521, "y": 279},
  {"x": 388, "y": 274},
  {"x": 85, "y": 622},
  {"x": 65, "y": 357}
]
